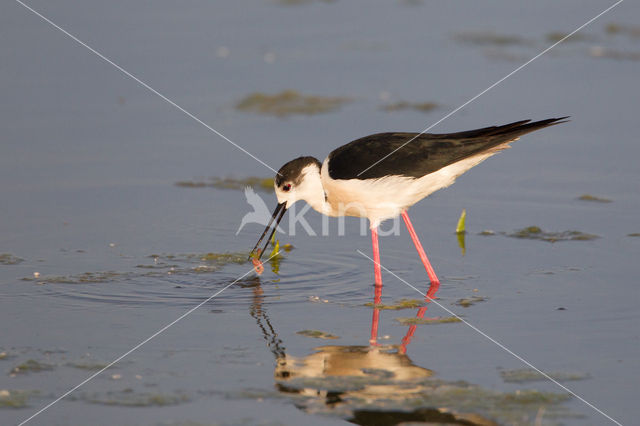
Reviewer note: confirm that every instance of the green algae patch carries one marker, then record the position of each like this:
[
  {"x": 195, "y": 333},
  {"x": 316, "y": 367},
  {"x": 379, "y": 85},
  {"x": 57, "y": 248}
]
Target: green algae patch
[
  {"x": 224, "y": 257},
  {"x": 400, "y": 304},
  {"x": 524, "y": 375},
  {"x": 628, "y": 30},
  {"x": 466, "y": 302},
  {"x": 556, "y": 36},
  {"x": 419, "y": 321},
  {"x": 536, "y": 233},
  {"x": 258, "y": 183},
  {"x": 87, "y": 365},
  {"x": 84, "y": 278},
  {"x": 489, "y": 38},
  {"x": 404, "y": 105},
  {"x": 289, "y": 102},
  {"x": 316, "y": 334},
  {"x": 589, "y": 197},
  {"x": 9, "y": 259},
  {"x": 130, "y": 398},
  {"x": 14, "y": 398},
  {"x": 618, "y": 55},
  {"x": 31, "y": 366}
]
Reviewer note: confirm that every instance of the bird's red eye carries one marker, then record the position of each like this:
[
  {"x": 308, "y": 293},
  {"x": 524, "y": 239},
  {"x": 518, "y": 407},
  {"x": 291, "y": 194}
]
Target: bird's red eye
[{"x": 287, "y": 187}]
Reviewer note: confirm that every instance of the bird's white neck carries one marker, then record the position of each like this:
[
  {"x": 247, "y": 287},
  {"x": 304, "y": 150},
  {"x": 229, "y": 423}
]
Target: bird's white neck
[{"x": 312, "y": 191}]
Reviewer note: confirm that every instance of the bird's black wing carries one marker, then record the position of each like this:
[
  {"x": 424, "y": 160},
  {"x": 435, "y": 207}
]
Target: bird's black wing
[{"x": 424, "y": 154}]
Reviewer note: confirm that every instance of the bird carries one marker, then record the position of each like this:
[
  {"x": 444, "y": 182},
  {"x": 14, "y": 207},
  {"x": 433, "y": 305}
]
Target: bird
[
  {"x": 380, "y": 176},
  {"x": 260, "y": 213}
]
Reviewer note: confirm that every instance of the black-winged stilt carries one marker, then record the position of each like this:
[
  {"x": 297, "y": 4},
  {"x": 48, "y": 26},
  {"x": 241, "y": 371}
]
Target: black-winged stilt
[{"x": 353, "y": 181}]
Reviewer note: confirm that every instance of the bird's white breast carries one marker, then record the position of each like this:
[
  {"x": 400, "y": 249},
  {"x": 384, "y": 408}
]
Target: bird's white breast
[{"x": 386, "y": 197}]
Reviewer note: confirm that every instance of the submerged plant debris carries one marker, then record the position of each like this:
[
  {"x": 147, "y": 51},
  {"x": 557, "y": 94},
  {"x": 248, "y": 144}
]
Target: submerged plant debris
[
  {"x": 31, "y": 366},
  {"x": 589, "y": 197},
  {"x": 193, "y": 262},
  {"x": 290, "y": 102},
  {"x": 9, "y": 259},
  {"x": 400, "y": 304},
  {"x": 87, "y": 365},
  {"x": 490, "y": 38},
  {"x": 529, "y": 375},
  {"x": 609, "y": 53},
  {"x": 404, "y": 105},
  {"x": 14, "y": 398},
  {"x": 624, "y": 29},
  {"x": 131, "y": 398},
  {"x": 418, "y": 321},
  {"x": 536, "y": 233},
  {"x": 555, "y": 36},
  {"x": 258, "y": 183},
  {"x": 84, "y": 278},
  {"x": 316, "y": 334},
  {"x": 466, "y": 302}
]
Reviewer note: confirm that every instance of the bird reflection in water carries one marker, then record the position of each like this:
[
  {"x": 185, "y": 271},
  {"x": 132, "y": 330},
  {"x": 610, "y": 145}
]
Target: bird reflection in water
[{"x": 367, "y": 385}]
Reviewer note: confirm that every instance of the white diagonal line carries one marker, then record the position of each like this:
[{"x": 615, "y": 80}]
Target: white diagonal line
[
  {"x": 88, "y": 379},
  {"x": 494, "y": 84},
  {"x": 142, "y": 83},
  {"x": 500, "y": 345}
]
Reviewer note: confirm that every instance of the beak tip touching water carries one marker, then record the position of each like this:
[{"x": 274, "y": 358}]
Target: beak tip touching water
[{"x": 257, "y": 253}]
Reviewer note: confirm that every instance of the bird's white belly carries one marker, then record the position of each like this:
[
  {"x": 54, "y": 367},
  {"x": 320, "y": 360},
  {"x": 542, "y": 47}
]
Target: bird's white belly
[{"x": 385, "y": 198}]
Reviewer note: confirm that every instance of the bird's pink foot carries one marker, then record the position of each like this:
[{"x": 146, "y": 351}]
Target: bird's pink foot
[{"x": 257, "y": 265}]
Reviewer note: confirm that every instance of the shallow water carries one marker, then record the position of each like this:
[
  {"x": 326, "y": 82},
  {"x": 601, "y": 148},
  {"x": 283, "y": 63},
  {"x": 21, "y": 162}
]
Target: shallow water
[{"x": 88, "y": 166}]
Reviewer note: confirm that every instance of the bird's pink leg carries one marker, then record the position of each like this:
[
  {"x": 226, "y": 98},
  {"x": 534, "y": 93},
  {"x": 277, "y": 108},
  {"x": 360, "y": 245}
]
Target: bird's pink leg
[
  {"x": 376, "y": 256},
  {"x": 378, "y": 288},
  {"x": 435, "y": 282}
]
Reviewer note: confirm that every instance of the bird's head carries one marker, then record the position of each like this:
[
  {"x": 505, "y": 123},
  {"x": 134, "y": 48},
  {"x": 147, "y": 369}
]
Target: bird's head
[{"x": 296, "y": 180}]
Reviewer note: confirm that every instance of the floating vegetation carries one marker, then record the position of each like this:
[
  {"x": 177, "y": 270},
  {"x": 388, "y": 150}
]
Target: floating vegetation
[
  {"x": 620, "y": 55},
  {"x": 14, "y": 398},
  {"x": 418, "y": 321},
  {"x": 316, "y": 334},
  {"x": 460, "y": 227},
  {"x": 31, "y": 366},
  {"x": 130, "y": 398},
  {"x": 466, "y": 302},
  {"x": 460, "y": 231},
  {"x": 628, "y": 30},
  {"x": 86, "y": 277},
  {"x": 403, "y": 105},
  {"x": 634, "y": 234},
  {"x": 555, "y": 36},
  {"x": 487, "y": 232},
  {"x": 529, "y": 375},
  {"x": 87, "y": 365},
  {"x": 535, "y": 233},
  {"x": 589, "y": 197},
  {"x": 400, "y": 304},
  {"x": 258, "y": 183},
  {"x": 489, "y": 38},
  {"x": 9, "y": 259},
  {"x": 193, "y": 262},
  {"x": 289, "y": 102}
]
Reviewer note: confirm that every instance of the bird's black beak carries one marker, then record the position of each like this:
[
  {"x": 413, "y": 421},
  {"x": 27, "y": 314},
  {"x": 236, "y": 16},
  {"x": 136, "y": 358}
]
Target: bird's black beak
[{"x": 277, "y": 216}]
